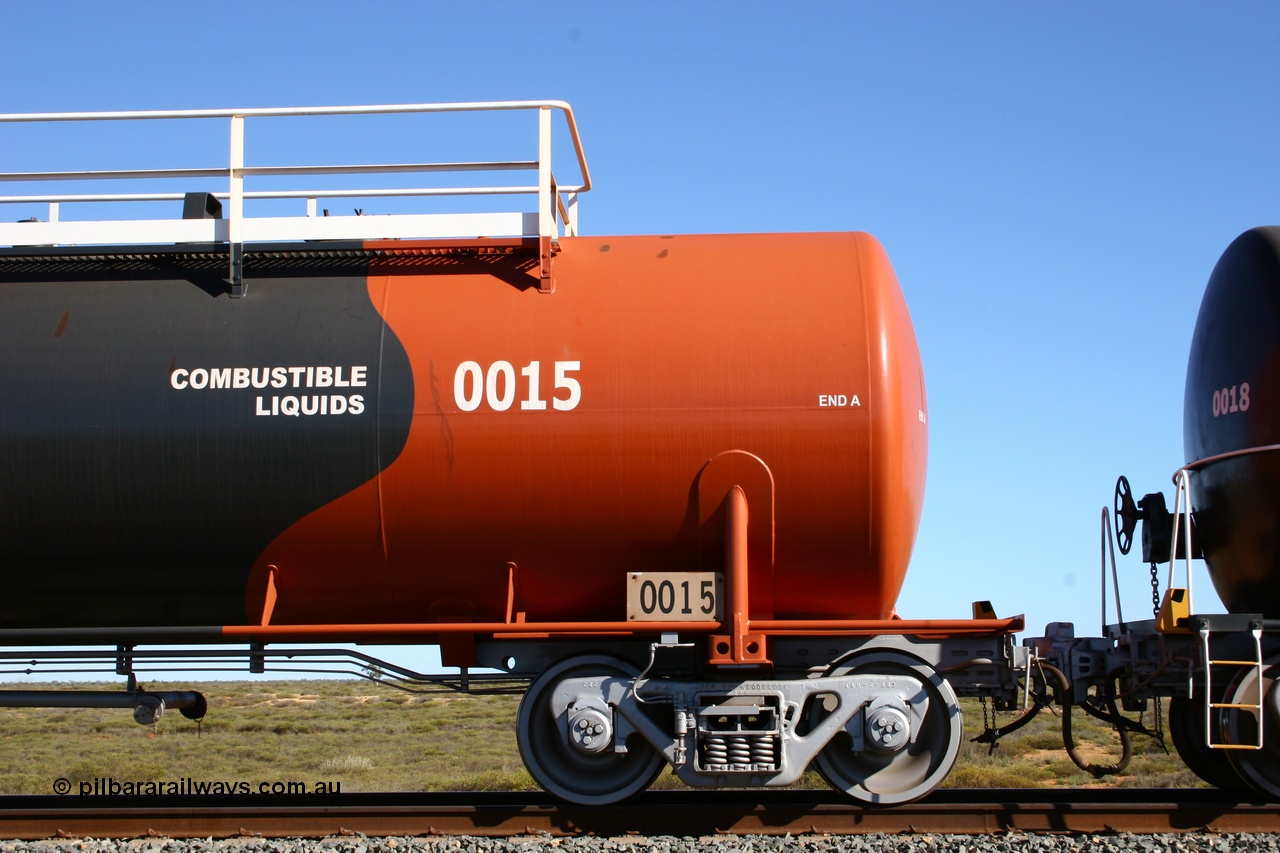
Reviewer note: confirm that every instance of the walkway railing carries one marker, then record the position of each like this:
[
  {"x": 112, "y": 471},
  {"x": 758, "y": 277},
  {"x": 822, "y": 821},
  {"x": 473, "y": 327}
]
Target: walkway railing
[{"x": 554, "y": 210}]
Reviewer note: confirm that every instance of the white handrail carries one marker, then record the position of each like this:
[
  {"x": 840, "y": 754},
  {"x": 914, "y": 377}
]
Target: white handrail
[
  {"x": 368, "y": 109},
  {"x": 1108, "y": 544},
  {"x": 556, "y": 204},
  {"x": 1181, "y": 523},
  {"x": 278, "y": 194}
]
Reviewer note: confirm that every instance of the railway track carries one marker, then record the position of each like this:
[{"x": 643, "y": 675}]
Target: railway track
[{"x": 656, "y": 813}]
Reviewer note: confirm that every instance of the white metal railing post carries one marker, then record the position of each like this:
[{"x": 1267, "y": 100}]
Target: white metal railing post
[
  {"x": 546, "y": 204},
  {"x": 235, "y": 212},
  {"x": 571, "y": 219}
]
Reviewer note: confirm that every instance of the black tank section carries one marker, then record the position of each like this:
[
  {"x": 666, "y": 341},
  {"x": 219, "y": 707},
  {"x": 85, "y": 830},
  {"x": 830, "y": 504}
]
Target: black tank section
[
  {"x": 1233, "y": 403},
  {"x": 156, "y": 434}
]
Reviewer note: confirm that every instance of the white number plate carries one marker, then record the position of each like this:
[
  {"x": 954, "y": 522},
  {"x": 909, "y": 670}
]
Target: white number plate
[{"x": 675, "y": 596}]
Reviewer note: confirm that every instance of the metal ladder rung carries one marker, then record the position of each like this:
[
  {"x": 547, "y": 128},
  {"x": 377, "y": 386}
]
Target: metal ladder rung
[{"x": 1255, "y": 707}]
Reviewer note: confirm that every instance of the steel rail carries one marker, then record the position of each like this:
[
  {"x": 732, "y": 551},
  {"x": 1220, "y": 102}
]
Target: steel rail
[{"x": 952, "y": 811}]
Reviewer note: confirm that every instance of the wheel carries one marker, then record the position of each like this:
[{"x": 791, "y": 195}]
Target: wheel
[
  {"x": 887, "y": 778},
  {"x": 1259, "y": 767},
  {"x": 571, "y": 773},
  {"x": 1186, "y": 729}
]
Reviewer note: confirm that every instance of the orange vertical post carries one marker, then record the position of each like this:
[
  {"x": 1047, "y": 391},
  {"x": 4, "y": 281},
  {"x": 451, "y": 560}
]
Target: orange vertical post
[{"x": 741, "y": 646}]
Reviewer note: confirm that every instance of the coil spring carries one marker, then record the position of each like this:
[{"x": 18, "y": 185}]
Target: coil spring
[
  {"x": 715, "y": 750},
  {"x": 764, "y": 751},
  {"x": 739, "y": 750}
]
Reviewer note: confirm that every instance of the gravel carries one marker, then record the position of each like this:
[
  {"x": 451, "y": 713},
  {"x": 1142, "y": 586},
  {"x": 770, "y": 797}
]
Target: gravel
[{"x": 1010, "y": 843}]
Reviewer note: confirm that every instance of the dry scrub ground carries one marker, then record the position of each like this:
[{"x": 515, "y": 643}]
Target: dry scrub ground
[{"x": 368, "y": 737}]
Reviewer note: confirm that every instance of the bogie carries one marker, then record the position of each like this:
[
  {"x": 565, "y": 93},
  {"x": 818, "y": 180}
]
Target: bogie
[{"x": 884, "y": 728}]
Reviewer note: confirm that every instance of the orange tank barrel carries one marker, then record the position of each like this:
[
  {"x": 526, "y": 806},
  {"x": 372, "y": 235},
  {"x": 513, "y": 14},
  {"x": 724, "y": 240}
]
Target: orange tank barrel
[
  {"x": 594, "y": 431},
  {"x": 411, "y": 432}
]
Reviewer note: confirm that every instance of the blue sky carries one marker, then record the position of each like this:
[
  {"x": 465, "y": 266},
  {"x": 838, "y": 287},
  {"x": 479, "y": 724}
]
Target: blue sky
[{"x": 1053, "y": 183}]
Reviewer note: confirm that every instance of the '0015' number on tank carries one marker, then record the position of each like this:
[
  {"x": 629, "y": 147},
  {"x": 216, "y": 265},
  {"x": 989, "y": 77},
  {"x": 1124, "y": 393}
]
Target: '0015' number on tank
[
  {"x": 497, "y": 386},
  {"x": 675, "y": 596}
]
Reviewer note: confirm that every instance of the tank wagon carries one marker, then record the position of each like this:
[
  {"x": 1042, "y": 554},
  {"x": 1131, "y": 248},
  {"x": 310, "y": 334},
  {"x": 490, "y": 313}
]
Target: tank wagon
[
  {"x": 1220, "y": 669},
  {"x": 667, "y": 485}
]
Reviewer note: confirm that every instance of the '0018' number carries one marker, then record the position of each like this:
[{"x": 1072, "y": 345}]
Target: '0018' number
[
  {"x": 472, "y": 384},
  {"x": 1233, "y": 399}
]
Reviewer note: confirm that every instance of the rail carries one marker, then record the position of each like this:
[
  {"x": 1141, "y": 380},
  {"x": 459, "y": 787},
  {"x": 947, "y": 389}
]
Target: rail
[
  {"x": 533, "y": 818},
  {"x": 555, "y": 211}
]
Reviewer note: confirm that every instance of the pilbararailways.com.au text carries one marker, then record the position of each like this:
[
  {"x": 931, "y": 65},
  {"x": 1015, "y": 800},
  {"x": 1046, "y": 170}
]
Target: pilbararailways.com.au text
[{"x": 105, "y": 787}]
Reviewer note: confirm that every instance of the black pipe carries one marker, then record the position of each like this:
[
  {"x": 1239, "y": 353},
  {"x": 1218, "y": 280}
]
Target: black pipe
[{"x": 191, "y": 704}]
